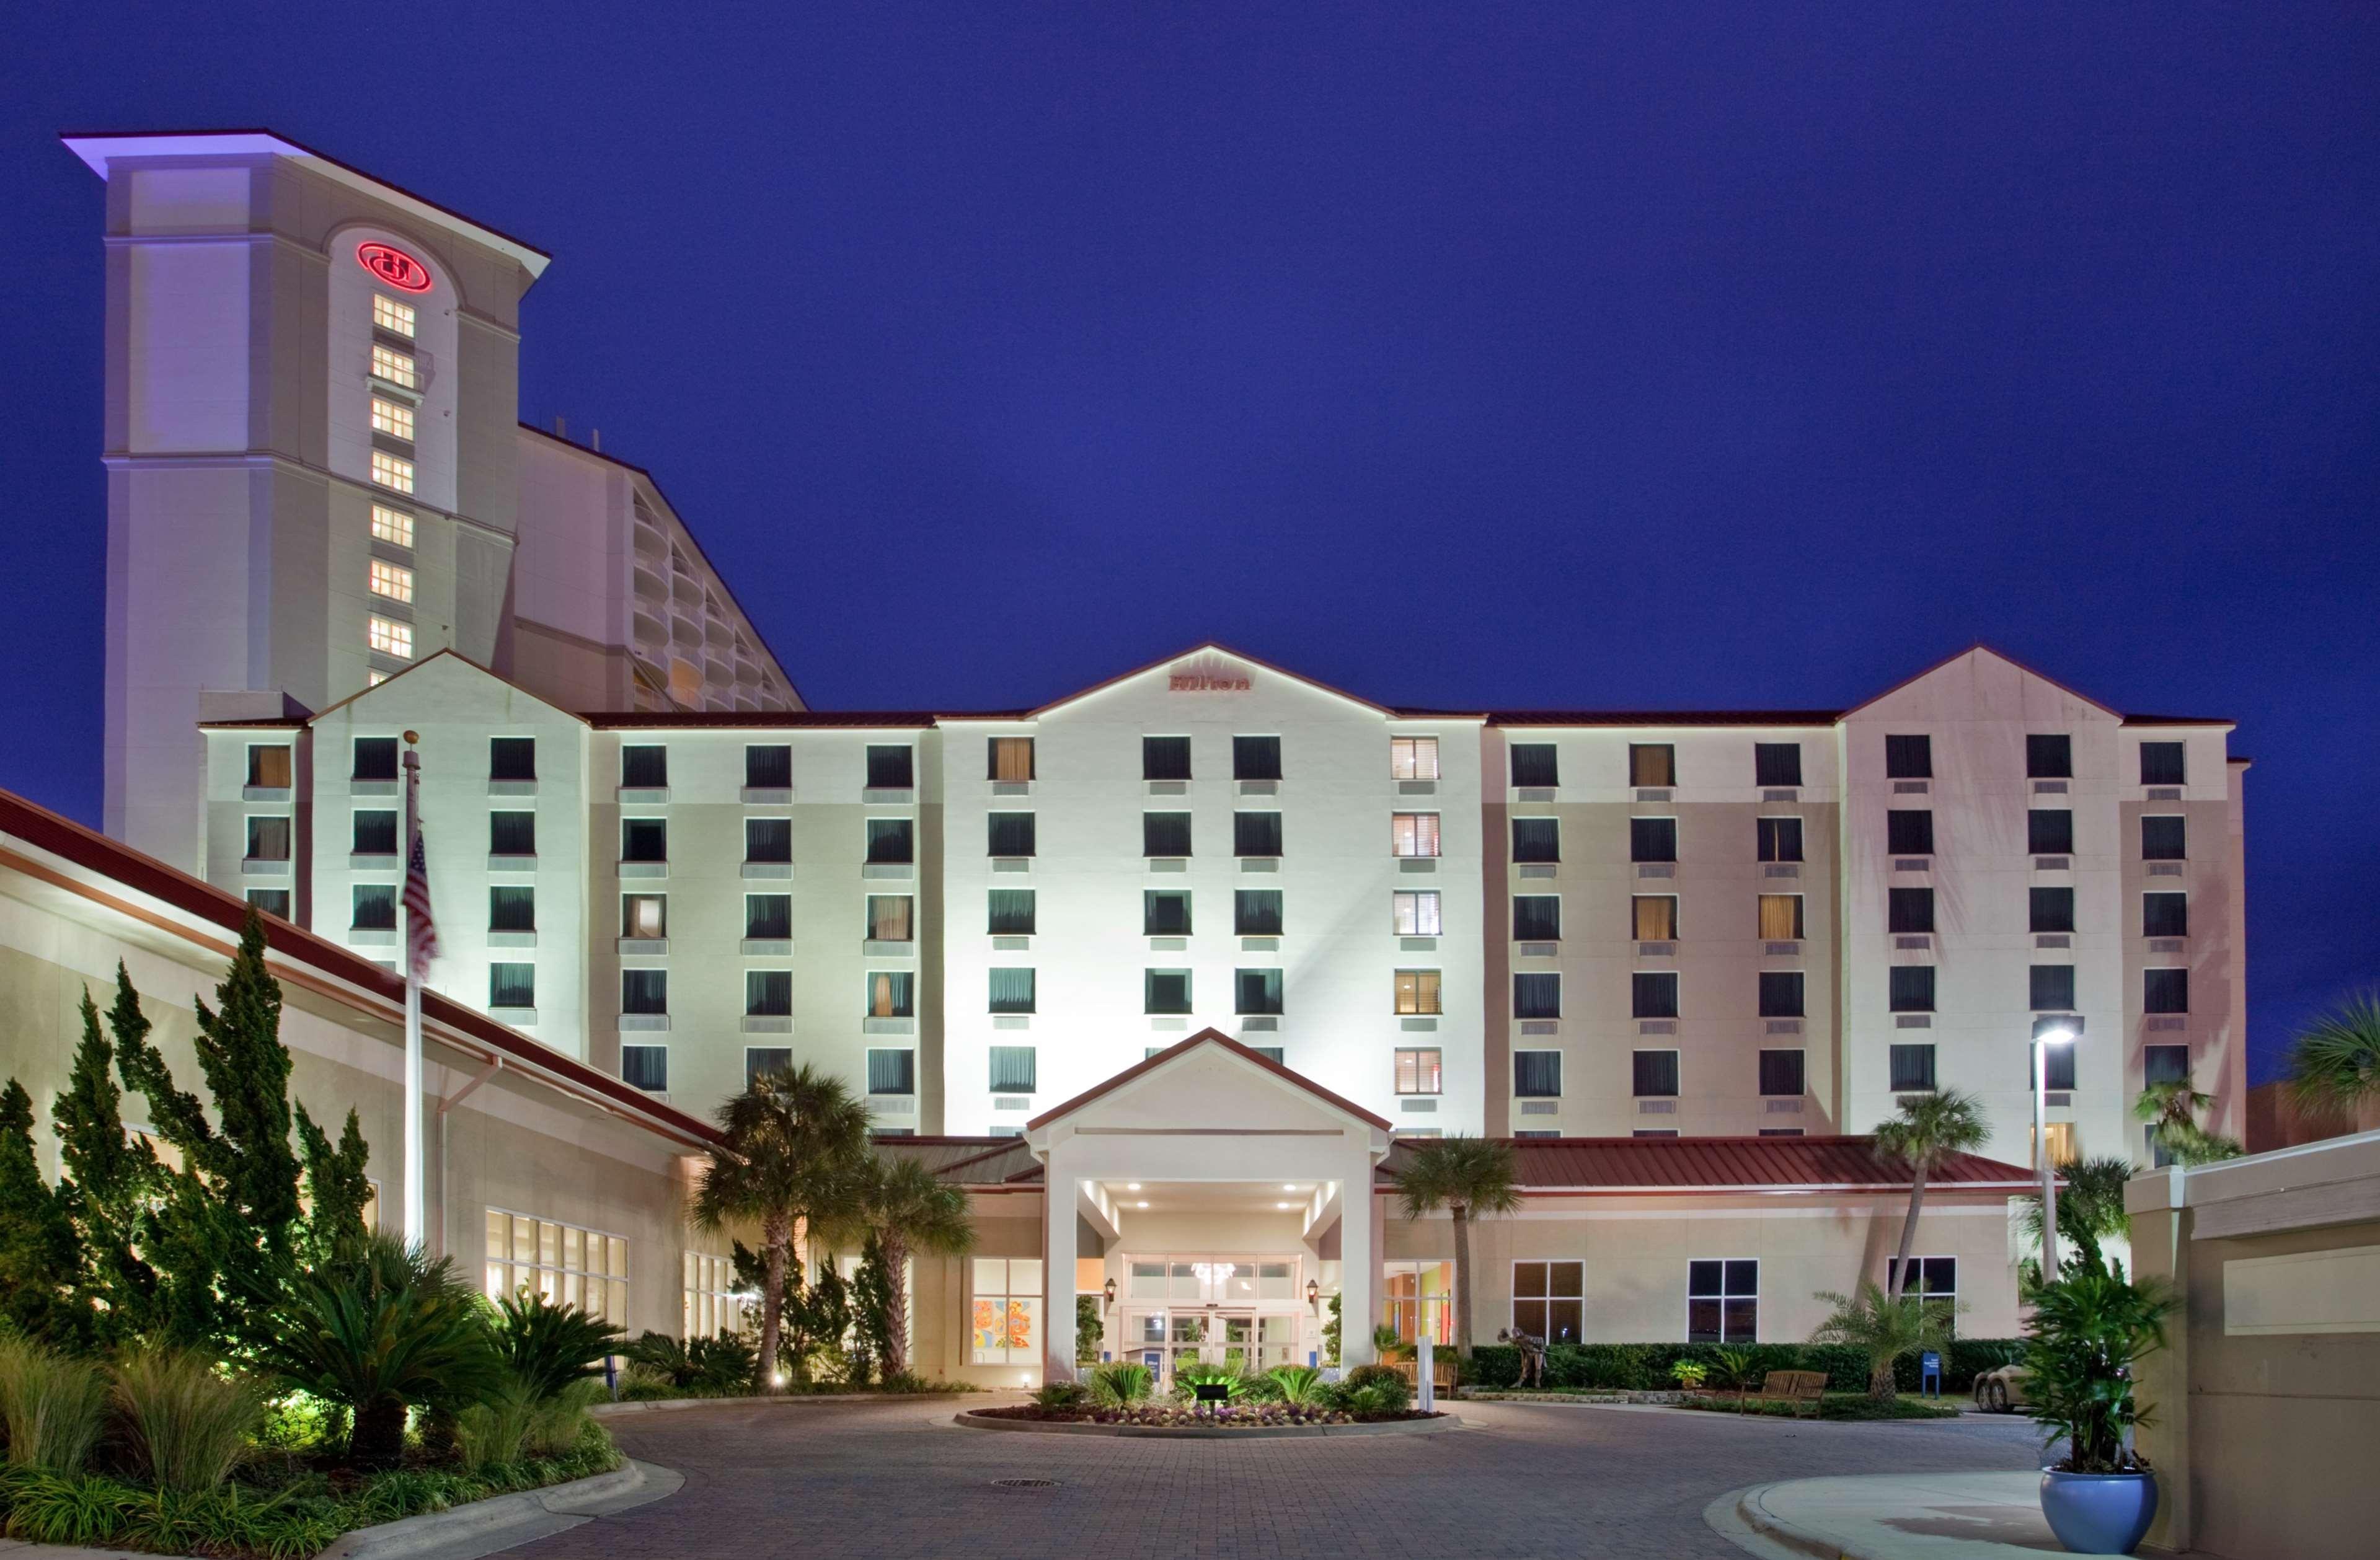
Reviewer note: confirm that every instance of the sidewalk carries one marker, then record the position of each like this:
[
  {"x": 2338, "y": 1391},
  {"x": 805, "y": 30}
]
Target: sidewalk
[{"x": 1890, "y": 1517}]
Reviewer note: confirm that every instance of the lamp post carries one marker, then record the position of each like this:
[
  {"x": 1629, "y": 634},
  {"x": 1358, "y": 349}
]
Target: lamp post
[{"x": 2060, "y": 1035}]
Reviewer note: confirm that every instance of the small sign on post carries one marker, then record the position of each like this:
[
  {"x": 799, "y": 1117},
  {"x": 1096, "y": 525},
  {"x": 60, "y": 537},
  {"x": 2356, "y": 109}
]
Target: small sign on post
[
  {"x": 1425, "y": 1375},
  {"x": 1207, "y": 1392},
  {"x": 1929, "y": 1373}
]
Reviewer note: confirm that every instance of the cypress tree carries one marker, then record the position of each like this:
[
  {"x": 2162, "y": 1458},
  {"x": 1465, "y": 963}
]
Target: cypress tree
[
  {"x": 336, "y": 1188},
  {"x": 109, "y": 1179},
  {"x": 38, "y": 1260}
]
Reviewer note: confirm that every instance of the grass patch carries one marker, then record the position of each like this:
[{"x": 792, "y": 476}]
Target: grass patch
[{"x": 1832, "y": 1406}]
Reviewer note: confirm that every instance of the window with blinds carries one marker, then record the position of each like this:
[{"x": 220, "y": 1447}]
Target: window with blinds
[
  {"x": 567, "y": 1264},
  {"x": 1416, "y": 991},
  {"x": 1413, "y": 758},
  {"x": 2164, "y": 838},
  {"x": 1413, "y": 834},
  {"x": 1414, "y": 912},
  {"x": 1419, "y": 1070},
  {"x": 1912, "y": 1069}
]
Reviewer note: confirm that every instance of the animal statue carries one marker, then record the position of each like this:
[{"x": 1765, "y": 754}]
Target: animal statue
[{"x": 1533, "y": 1354}]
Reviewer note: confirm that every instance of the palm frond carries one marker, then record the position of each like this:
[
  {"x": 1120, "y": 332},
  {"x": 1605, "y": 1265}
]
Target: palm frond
[
  {"x": 2335, "y": 1064},
  {"x": 1479, "y": 1175}
]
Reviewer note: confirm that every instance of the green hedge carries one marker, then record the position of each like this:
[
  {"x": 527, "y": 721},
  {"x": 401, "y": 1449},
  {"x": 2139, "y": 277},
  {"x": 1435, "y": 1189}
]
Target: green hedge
[{"x": 1645, "y": 1367}]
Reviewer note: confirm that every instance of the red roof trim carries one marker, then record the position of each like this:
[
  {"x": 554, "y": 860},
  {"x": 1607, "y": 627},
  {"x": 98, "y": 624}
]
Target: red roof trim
[
  {"x": 1625, "y": 1167},
  {"x": 1204, "y": 1037}
]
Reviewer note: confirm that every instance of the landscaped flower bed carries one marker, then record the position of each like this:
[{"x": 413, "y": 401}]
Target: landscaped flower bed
[{"x": 1174, "y": 1416}]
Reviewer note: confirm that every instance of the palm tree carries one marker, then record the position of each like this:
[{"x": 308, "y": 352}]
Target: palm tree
[
  {"x": 1929, "y": 1130},
  {"x": 795, "y": 1139},
  {"x": 910, "y": 1210},
  {"x": 2172, "y": 1109},
  {"x": 1887, "y": 1326},
  {"x": 2336, "y": 1064},
  {"x": 1470, "y": 1178},
  {"x": 2090, "y": 1205}
]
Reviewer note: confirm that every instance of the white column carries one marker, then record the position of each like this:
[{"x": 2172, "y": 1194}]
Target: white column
[
  {"x": 1359, "y": 1272},
  {"x": 1059, "y": 1196}
]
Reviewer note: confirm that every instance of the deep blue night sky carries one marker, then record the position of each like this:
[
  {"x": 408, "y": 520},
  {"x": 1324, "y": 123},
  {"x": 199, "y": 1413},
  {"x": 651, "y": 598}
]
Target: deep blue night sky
[{"x": 1457, "y": 355}]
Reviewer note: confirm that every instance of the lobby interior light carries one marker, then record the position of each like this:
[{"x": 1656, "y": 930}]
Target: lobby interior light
[
  {"x": 1284, "y": 1207},
  {"x": 1132, "y": 1186},
  {"x": 1141, "y": 1204}
]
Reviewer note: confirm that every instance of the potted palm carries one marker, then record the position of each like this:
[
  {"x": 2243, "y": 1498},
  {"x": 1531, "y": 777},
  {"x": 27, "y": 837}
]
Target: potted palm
[{"x": 2089, "y": 1329}]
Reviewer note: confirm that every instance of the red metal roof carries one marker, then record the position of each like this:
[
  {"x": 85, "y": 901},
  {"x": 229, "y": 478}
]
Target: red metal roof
[{"x": 1725, "y": 1164}]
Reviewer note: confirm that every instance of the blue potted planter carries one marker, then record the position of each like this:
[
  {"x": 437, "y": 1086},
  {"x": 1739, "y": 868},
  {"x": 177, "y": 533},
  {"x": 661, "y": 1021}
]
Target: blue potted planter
[{"x": 2098, "y": 1513}]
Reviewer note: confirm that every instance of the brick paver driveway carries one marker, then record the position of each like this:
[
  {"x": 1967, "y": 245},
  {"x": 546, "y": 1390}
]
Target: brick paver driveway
[{"x": 895, "y": 1479}]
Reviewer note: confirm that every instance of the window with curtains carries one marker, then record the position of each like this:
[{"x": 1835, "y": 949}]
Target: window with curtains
[
  {"x": 1912, "y": 989},
  {"x": 1255, "y": 834},
  {"x": 371, "y": 907},
  {"x": 1009, "y": 758},
  {"x": 1165, "y": 913},
  {"x": 644, "y": 766},
  {"x": 269, "y": 767},
  {"x": 1009, "y": 912},
  {"x": 1419, "y": 1070},
  {"x": 1723, "y": 1302},
  {"x": 1165, "y": 758},
  {"x": 375, "y": 759},
  {"x": 2049, "y": 831},
  {"x": 763, "y": 1061},
  {"x": 1780, "y": 917},
  {"x": 1549, "y": 1300},
  {"x": 644, "y": 840},
  {"x": 1908, "y": 910},
  {"x": 892, "y": 994},
  {"x": 512, "y": 758},
  {"x": 1008, "y": 834},
  {"x": 268, "y": 839},
  {"x": 1256, "y": 991},
  {"x": 1413, "y": 834},
  {"x": 1164, "y": 834},
  {"x": 645, "y": 1066},
  {"x": 769, "y": 767},
  {"x": 2164, "y": 1064},
  {"x": 1780, "y": 994},
  {"x": 891, "y": 766},
  {"x": 2164, "y": 838},
  {"x": 1255, "y": 758},
  {"x": 2049, "y": 910},
  {"x": 1780, "y": 839},
  {"x": 1535, "y": 763},
  {"x": 512, "y": 909},
  {"x": 1416, "y": 991},
  {"x": 1909, "y": 758},
  {"x": 1536, "y": 840},
  {"x": 1654, "y": 1075},
  {"x": 644, "y": 991},
  {"x": 1537, "y": 917},
  {"x": 891, "y": 918},
  {"x": 2048, "y": 756},
  {"x": 1652, "y": 838},
  {"x": 2162, "y": 763},
  {"x": 2164, "y": 991},
  {"x": 769, "y": 917},
  {"x": 271, "y": 902},
  {"x": 374, "y": 833},
  {"x": 1012, "y": 991},
  {"x": 644, "y": 915},
  {"x": 892, "y": 1071},
  {"x": 1536, "y": 995},
  {"x": 1653, "y": 917},
  {"x": 771, "y": 840},
  {"x": 1255, "y": 913},
  {"x": 1537, "y": 1075},
  {"x": 769, "y": 993},
  {"x": 889, "y": 840},
  {"x": 1909, "y": 831},
  {"x": 1777, "y": 763},
  {"x": 512, "y": 985},
  {"x": 1165, "y": 991},
  {"x": 2057, "y": 1072},
  {"x": 2053, "y": 988},
  {"x": 2165, "y": 914},
  {"x": 1414, "y": 912},
  {"x": 1413, "y": 758},
  {"x": 1653, "y": 994},
  {"x": 514, "y": 834},
  {"x": 1781, "y": 1072},
  {"x": 1912, "y": 1069},
  {"x": 1652, "y": 764}
]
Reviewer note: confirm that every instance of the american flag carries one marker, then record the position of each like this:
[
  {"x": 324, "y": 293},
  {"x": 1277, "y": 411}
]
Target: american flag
[{"x": 421, "y": 931}]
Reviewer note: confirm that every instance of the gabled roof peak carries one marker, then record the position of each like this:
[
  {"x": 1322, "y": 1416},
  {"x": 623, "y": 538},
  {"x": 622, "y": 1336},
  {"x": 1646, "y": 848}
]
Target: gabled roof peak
[{"x": 1206, "y": 1037}]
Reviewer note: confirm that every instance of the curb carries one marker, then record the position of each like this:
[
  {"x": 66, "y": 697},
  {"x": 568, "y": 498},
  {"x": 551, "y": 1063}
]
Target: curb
[
  {"x": 1491, "y": 1394},
  {"x": 501, "y": 1522},
  {"x": 1739, "y": 1516},
  {"x": 1160, "y": 1432},
  {"x": 671, "y": 1405}
]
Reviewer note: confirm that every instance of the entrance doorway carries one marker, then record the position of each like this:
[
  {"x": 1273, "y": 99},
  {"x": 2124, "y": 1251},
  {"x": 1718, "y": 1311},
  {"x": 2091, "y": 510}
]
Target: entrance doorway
[{"x": 1240, "y": 1312}]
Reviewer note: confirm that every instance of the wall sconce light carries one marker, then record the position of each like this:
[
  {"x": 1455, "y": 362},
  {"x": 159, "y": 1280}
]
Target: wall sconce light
[
  {"x": 1110, "y": 1292},
  {"x": 1314, "y": 1295}
]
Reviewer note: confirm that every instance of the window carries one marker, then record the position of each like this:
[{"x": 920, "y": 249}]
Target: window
[
  {"x": 644, "y": 991},
  {"x": 2161, "y": 763},
  {"x": 2164, "y": 1064},
  {"x": 1533, "y": 763},
  {"x": 2048, "y": 756},
  {"x": 1780, "y": 994},
  {"x": 759, "y": 1061},
  {"x": 1652, "y": 764},
  {"x": 1008, "y": 834},
  {"x": 644, "y": 767},
  {"x": 889, "y": 840},
  {"x": 392, "y": 473},
  {"x": 1780, "y": 838},
  {"x": 1536, "y": 995},
  {"x": 1413, "y": 834},
  {"x": 512, "y": 909},
  {"x": 1416, "y": 991},
  {"x": 1255, "y": 834},
  {"x": 891, "y": 1071},
  {"x": 2162, "y": 838},
  {"x": 2165, "y": 914},
  {"x": 1165, "y": 913},
  {"x": 1909, "y": 831},
  {"x": 1008, "y": 913},
  {"x": 2049, "y": 831},
  {"x": 645, "y": 1066},
  {"x": 1537, "y": 917},
  {"x": 1536, "y": 840},
  {"x": 375, "y": 759},
  {"x": 1780, "y": 917},
  {"x": 891, "y": 918},
  {"x": 890, "y": 767},
  {"x": 566, "y": 1263},
  {"x": 391, "y": 526},
  {"x": 1419, "y": 1071},
  {"x": 389, "y": 636},
  {"x": 1777, "y": 763},
  {"x": 1653, "y": 993},
  {"x": 1255, "y": 758},
  {"x": 2052, "y": 910},
  {"x": 769, "y": 917},
  {"x": 512, "y": 758},
  {"x": 1912, "y": 1068},
  {"x": 1165, "y": 758},
  {"x": 2164, "y": 991},
  {"x": 1008, "y": 759},
  {"x": 1413, "y": 758},
  {"x": 1012, "y": 991},
  {"x": 373, "y": 833},
  {"x": 1537, "y": 1075},
  {"x": 398, "y": 319},
  {"x": 396, "y": 367},
  {"x": 1652, "y": 838},
  {"x": 1780, "y": 1072},
  {"x": 1415, "y": 913},
  {"x": 1256, "y": 991},
  {"x": 268, "y": 839},
  {"x": 1165, "y": 991},
  {"x": 2053, "y": 988},
  {"x": 767, "y": 766},
  {"x": 1909, "y": 758},
  {"x": 1654, "y": 1075},
  {"x": 389, "y": 417},
  {"x": 892, "y": 994},
  {"x": 1653, "y": 917},
  {"x": 512, "y": 985},
  {"x": 271, "y": 901},
  {"x": 1548, "y": 1300},
  {"x": 2058, "y": 1073},
  {"x": 1006, "y": 1302},
  {"x": 1912, "y": 989},
  {"x": 512, "y": 834},
  {"x": 1255, "y": 913},
  {"x": 1723, "y": 1299},
  {"x": 646, "y": 916},
  {"x": 269, "y": 767},
  {"x": 372, "y": 907},
  {"x": 1165, "y": 834},
  {"x": 1016, "y": 1069},
  {"x": 393, "y": 581},
  {"x": 1936, "y": 1281},
  {"x": 644, "y": 840},
  {"x": 1909, "y": 910}
]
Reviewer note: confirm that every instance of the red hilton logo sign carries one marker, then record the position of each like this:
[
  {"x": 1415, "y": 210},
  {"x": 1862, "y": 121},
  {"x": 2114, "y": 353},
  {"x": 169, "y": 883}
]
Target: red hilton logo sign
[
  {"x": 1207, "y": 674},
  {"x": 394, "y": 267}
]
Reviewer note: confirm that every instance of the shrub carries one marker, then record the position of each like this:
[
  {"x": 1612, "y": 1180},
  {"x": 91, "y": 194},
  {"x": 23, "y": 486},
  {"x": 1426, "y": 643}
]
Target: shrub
[
  {"x": 2089, "y": 1329},
  {"x": 186, "y": 1424},
  {"x": 1645, "y": 1367},
  {"x": 558, "y": 1423},
  {"x": 1689, "y": 1373},
  {"x": 1062, "y": 1394},
  {"x": 491, "y": 1433},
  {"x": 1256, "y": 1389},
  {"x": 1200, "y": 1373},
  {"x": 1124, "y": 1382},
  {"x": 548, "y": 1345},
  {"x": 1375, "y": 1389},
  {"x": 1297, "y": 1383},
  {"x": 46, "y": 1507},
  {"x": 54, "y": 1406},
  {"x": 1363, "y": 1376}
]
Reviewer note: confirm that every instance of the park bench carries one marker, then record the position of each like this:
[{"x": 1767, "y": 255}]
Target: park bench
[
  {"x": 1443, "y": 1372},
  {"x": 1794, "y": 1387}
]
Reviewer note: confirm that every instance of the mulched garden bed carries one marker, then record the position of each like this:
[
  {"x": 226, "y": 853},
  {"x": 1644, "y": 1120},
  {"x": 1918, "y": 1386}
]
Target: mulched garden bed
[{"x": 1168, "y": 1416}]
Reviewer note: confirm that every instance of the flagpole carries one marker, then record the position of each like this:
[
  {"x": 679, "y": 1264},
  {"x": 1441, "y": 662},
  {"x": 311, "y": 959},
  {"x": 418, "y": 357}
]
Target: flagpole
[{"x": 415, "y": 1233}]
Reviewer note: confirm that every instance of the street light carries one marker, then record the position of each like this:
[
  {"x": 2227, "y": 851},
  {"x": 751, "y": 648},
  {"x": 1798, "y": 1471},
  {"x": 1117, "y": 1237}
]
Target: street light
[{"x": 2060, "y": 1033}]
